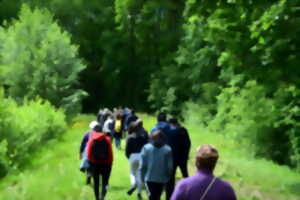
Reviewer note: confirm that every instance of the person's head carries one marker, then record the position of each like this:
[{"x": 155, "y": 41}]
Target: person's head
[
  {"x": 206, "y": 157},
  {"x": 173, "y": 121},
  {"x": 119, "y": 116},
  {"x": 98, "y": 128},
  {"x": 110, "y": 116},
  {"x": 132, "y": 128},
  {"x": 93, "y": 124},
  {"x": 158, "y": 138},
  {"x": 139, "y": 123},
  {"x": 161, "y": 117}
]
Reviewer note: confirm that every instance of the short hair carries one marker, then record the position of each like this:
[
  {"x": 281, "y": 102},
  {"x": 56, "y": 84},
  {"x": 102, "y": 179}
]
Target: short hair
[
  {"x": 139, "y": 123},
  {"x": 158, "y": 137},
  {"x": 173, "y": 120},
  {"x": 98, "y": 128},
  {"x": 119, "y": 116},
  {"x": 206, "y": 157},
  {"x": 162, "y": 117},
  {"x": 132, "y": 127}
]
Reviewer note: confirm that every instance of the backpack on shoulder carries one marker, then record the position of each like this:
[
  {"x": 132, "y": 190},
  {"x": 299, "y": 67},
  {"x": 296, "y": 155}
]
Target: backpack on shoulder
[
  {"x": 99, "y": 149},
  {"x": 118, "y": 126}
]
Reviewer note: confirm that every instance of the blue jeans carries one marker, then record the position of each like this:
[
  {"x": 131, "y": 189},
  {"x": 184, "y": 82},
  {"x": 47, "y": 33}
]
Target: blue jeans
[{"x": 118, "y": 142}]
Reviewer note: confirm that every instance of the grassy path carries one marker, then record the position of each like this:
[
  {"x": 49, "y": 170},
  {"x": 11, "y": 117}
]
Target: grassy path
[{"x": 54, "y": 173}]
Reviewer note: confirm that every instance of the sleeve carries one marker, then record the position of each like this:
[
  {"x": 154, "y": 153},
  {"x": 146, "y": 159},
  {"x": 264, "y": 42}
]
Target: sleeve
[
  {"x": 113, "y": 126},
  {"x": 153, "y": 130},
  {"x": 179, "y": 192},
  {"x": 188, "y": 142},
  {"x": 170, "y": 162},
  {"x": 83, "y": 143},
  {"x": 128, "y": 147},
  {"x": 229, "y": 193},
  {"x": 111, "y": 156},
  {"x": 143, "y": 166}
]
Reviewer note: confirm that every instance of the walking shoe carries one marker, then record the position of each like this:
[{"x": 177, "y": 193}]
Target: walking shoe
[
  {"x": 131, "y": 190},
  {"x": 88, "y": 180},
  {"x": 139, "y": 196}
]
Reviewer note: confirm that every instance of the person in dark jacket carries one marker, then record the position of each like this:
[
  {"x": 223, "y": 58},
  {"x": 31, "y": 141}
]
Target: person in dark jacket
[
  {"x": 204, "y": 185},
  {"x": 131, "y": 117},
  {"x": 180, "y": 144},
  {"x": 134, "y": 144},
  {"x": 156, "y": 165},
  {"x": 162, "y": 125},
  {"x": 140, "y": 130}
]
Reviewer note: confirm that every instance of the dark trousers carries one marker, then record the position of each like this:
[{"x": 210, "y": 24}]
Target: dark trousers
[
  {"x": 171, "y": 184},
  {"x": 183, "y": 168},
  {"x": 118, "y": 137},
  {"x": 104, "y": 172},
  {"x": 154, "y": 190}
]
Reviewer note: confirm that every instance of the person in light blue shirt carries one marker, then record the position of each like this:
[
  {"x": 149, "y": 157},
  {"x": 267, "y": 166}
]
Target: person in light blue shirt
[{"x": 156, "y": 164}]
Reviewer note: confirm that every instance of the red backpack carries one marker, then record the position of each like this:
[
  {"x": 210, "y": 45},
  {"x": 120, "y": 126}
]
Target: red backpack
[{"x": 99, "y": 149}]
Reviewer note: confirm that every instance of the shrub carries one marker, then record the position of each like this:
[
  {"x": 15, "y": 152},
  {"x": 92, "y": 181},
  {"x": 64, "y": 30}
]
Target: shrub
[
  {"x": 25, "y": 128},
  {"x": 267, "y": 126}
]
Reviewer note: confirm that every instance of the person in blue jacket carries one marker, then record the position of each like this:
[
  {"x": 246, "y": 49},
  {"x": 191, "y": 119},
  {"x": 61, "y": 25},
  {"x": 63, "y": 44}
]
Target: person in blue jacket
[{"x": 156, "y": 164}]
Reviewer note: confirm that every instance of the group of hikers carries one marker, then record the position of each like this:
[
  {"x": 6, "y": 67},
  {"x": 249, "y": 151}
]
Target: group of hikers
[{"x": 153, "y": 158}]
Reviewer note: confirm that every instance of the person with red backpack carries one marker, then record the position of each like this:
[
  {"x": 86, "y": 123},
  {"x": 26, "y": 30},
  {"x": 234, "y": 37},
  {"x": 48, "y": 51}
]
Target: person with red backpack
[
  {"x": 84, "y": 165},
  {"x": 100, "y": 157}
]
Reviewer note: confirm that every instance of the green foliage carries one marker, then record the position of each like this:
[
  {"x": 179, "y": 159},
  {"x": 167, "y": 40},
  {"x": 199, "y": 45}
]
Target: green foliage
[
  {"x": 248, "y": 115},
  {"x": 38, "y": 59},
  {"x": 245, "y": 53},
  {"x": 153, "y": 36},
  {"x": 24, "y": 128},
  {"x": 287, "y": 100}
]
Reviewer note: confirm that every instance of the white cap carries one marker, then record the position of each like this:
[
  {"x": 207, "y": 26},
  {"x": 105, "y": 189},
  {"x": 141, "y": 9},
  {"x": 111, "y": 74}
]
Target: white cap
[{"x": 93, "y": 124}]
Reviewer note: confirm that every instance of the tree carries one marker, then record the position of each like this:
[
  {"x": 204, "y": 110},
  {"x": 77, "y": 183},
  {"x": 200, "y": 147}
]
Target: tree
[{"x": 38, "y": 59}]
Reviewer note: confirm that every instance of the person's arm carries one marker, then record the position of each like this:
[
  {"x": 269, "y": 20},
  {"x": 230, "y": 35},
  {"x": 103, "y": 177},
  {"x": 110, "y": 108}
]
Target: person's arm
[
  {"x": 170, "y": 161},
  {"x": 153, "y": 130},
  {"x": 144, "y": 163},
  {"x": 229, "y": 193},
  {"x": 188, "y": 142},
  {"x": 83, "y": 144},
  {"x": 128, "y": 148},
  {"x": 113, "y": 126},
  {"x": 111, "y": 156}
]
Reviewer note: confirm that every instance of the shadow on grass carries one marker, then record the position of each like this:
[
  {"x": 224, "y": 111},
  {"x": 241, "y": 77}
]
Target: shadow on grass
[
  {"x": 294, "y": 188},
  {"x": 118, "y": 188}
]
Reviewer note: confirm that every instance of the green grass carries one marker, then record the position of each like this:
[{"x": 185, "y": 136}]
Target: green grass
[{"x": 54, "y": 174}]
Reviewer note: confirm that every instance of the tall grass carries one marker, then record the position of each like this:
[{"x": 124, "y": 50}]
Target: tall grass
[{"x": 54, "y": 172}]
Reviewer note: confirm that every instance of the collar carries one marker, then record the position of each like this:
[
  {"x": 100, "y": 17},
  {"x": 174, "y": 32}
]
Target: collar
[{"x": 204, "y": 172}]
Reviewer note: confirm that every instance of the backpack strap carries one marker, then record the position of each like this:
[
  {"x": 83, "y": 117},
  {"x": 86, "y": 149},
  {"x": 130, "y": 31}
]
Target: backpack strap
[{"x": 208, "y": 188}]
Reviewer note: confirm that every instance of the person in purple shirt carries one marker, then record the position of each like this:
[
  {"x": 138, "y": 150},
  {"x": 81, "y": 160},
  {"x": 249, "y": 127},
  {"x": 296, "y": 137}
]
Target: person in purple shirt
[{"x": 204, "y": 185}]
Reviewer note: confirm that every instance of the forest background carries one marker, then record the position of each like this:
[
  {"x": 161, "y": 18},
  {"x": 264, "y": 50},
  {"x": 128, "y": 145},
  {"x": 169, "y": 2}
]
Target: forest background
[{"x": 233, "y": 65}]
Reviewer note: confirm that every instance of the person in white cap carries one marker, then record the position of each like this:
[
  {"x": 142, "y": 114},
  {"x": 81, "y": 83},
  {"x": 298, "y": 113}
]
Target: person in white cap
[{"x": 84, "y": 165}]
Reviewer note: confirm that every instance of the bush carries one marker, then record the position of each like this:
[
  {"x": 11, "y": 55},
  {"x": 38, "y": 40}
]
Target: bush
[
  {"x": 25, "y": 128},
  {"x": 38, "y": 59},
  {"x": 267, "y": 126}
]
